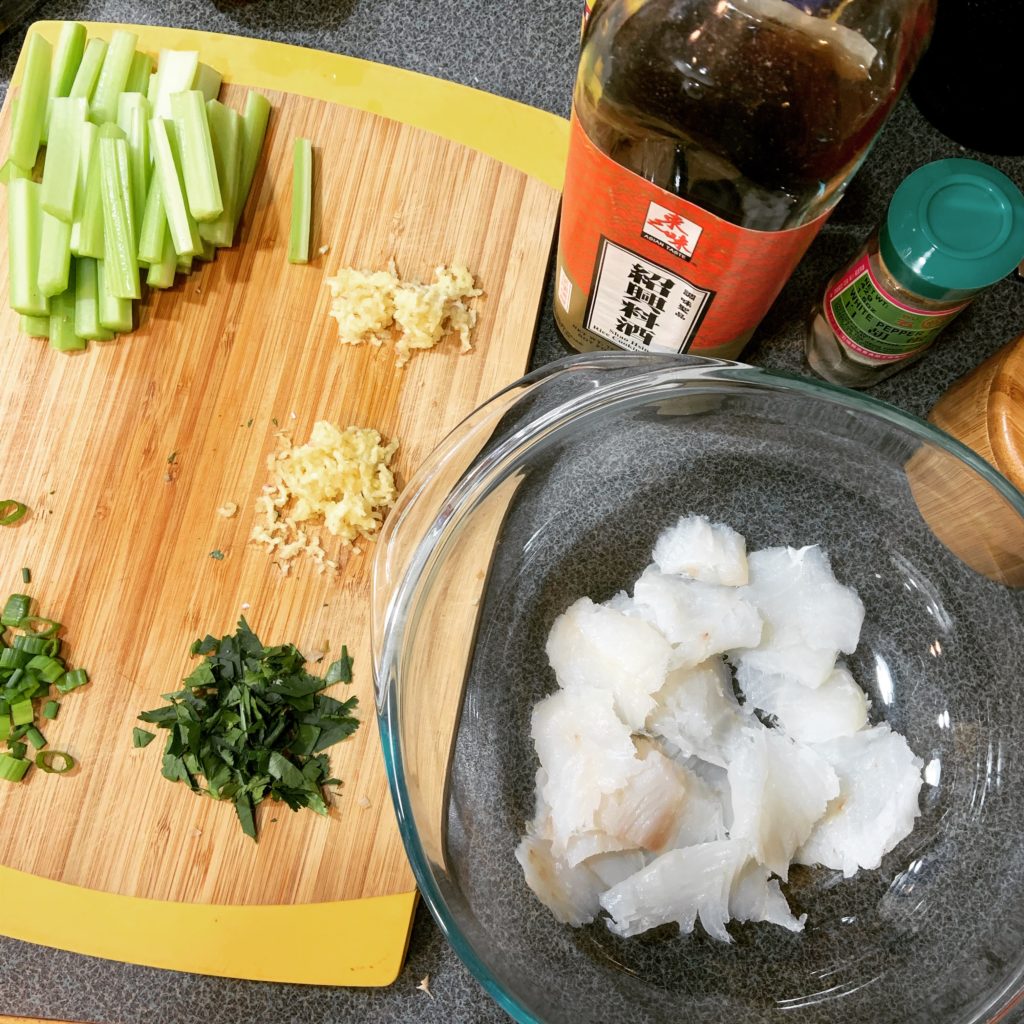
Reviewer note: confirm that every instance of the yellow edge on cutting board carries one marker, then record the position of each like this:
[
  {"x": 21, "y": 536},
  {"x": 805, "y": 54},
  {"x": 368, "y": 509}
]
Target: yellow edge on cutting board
[
  {"x": 234, "y": 939},
  {"x": 531, "y": 140}
]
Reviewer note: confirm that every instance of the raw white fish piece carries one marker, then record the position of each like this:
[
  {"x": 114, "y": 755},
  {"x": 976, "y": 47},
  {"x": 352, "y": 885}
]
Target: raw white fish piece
[
  {"x": 716, "y": 779},
  {"x": 703, "y": 816},
  {"x": 804, "y": 665},
  {"x": 756, "y": 897},
  {"x": 839, "y": 707},
  {"x": 591, "y": 646},
  {"x": 612, "y": 868},
  {"x": 679, "y": 886},
  {"x": 698, "y": 712},
  {"x": 802, "y": 603},
  {"x": 571, "y": 894},
  {"x": 701, "y": 550},
  {"x": 698, "y": 619},
  {"x": 879, "y": 783},
  {"x": 586, "y": 751},
  {"x": 779, "y": 790}
]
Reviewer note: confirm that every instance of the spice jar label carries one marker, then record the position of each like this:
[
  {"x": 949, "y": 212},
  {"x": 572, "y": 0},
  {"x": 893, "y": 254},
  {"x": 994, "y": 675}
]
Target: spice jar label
[
  {"x": 648, "y": 271},
  {"x": 873, "y": 323}
]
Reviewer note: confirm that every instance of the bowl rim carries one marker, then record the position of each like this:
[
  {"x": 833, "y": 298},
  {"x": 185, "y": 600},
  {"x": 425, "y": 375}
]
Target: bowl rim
[{"x": 677, "y": 369}]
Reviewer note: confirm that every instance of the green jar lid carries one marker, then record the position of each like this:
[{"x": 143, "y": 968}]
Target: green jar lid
[{"x": 953, "y": 226}]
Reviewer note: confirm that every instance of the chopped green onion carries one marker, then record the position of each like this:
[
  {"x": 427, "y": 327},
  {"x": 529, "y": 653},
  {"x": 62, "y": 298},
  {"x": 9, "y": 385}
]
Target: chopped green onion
[
  {"x": 72, "y": 680},
  {"x": 12, "y": 769},
  {"x": 10, "y": 512},
  {"x": 27, "y": 126},
  {"x": 141, "y": 737},
  {"x": 26, "y": 575},
  {"x": 87, "y": 301},
  {"x": 62, "y": 323},
  {"x": 24, "y": 235},
  {"x": 48, "y": 669},
  {"x": 88, "y": 72},
  {"x": 60, "y": 171},
  {"x": 30, "y": 646},
  {"x": 197, "y": 160},
  {"x": 22, "y": 713},
  {"x": 114, "y": 75},
  {"x": 51, "y": 709},
  {"x": 119, "y": 245},
  {"x": 54, "y": 257},
  {"x": 90, "y": 240},
  {"x": 5, "y": 724},
  {"x": 175, "y": 72},
  {"x": 154, "y": 225},
  {"x": 116, "y": 314},
  {"x": 226, "y": 132},
  {"x": 46, "y": 760},
  {"x": 255, "y": 115},
  {"x": 302, "y": 201},
  {"x": 138, "y": 76},
  {"x": 15, "y": 746},
  {"x": 12, "y": 657},
  {"x": 37, "y": 625},
  {"x": 167, "y": 166},
  {"x": 35, "y": 737},
  {"x": 67, "y": 56},
  {"x": 34, "y": 326},
  {"x": 15, "y": 609},
  {"x": 133, "y": 119},
  {"x": 161, "y": 274}
]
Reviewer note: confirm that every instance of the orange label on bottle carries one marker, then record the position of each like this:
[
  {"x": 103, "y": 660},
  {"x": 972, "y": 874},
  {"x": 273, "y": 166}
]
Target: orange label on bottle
[{"x": 660, "y": 273}]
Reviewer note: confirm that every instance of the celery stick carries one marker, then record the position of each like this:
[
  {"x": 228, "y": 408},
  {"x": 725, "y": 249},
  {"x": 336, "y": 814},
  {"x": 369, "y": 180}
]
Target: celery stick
[
  {"x": 54, "y": 255},
  {"x": 67, "y": 56},
  {"x": 161, "y": 272},
  {"x": 302, "y": 201},
  {"x": 27, "y": 126},
  {"x": 254, "y": 127},
  {"x": 115, "y": 313},
  {"x": 34, "y": 326},
  {"x": 88, "y": 73},
  {"x": 133, "y": 119},
  {"x": 11, "y": 171},
  {"x": 89, "y": 135},
  {"x": 175, "y": 72},
  {"x": 113, "y": 76},
  {"x": 185, "y": 264},
  {"x": 207, "y": 81},
  {"x": 119, "y": 245},
  {"x": 87, "y": 302},
  {"x": 90, "y": 225},
  {"x": 60, "y": 172},
  {"x": 226, "y": 131},
  {"x": 167, "y": 167},
  {"x": 24, "y": 234},
  {"x": 197, "y": 161},
  {"x": 207, "y": 253},
  {"x": 138, "y": 76},
  {"x": 153, "y": 232},
  {"x": 62, "y": 322}
]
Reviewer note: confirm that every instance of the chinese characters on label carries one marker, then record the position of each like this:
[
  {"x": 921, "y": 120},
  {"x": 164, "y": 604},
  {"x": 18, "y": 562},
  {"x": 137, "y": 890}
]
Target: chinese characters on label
[
  {"x": 671, "y": 230},
  {"x": 641, "y": 306}
]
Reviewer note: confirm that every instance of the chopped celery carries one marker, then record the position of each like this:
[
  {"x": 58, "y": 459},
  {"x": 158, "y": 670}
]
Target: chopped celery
[
  {"x": 154, "y": 225},
  {"x": 27, "y": 127},
  {"x": 255, "y": 115},
  {"x": 119, "y": 245},
  {"x": 302, "y": 201},
  {"x": 133, "y": 119},
  {"x": 138, "y": 76},
  {"x": 175, "y": 72},
  {"x": 34, "y": 326},
  {"x": 115, "y": 313},
  {"x": 226, "y": 131},
  {"x": 87, "y": 307},
  {"x": 10, "y": 171},
  {"x": 60, "y": 172},
  {"x": 67, "y": 56},
  {"x": 161, "y": 273},
  {"x": 197, "y": 161},
  {"x": 89, "y": 135},
  {"x": 54, "y": 256},
  {"x": 207, "y": 81},
  {"x": 24, "y": 234},
  {"x": 113, "y": 76},
  {"x": 62, "y": 323},
  {"x": 185, "y": 264},
  {"x": 89, "y": 70},
  {"x": 167, "y": 166},
  {"x": 207, "y": 253},
  {"x": 90, "y": 225}
]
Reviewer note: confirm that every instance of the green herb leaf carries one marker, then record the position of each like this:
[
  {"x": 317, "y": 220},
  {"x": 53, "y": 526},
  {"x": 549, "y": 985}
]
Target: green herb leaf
[
  {"x": 142, "y": 738},
  {"x": 218, "y": 554},
  {"x": 340, "y": 671}
]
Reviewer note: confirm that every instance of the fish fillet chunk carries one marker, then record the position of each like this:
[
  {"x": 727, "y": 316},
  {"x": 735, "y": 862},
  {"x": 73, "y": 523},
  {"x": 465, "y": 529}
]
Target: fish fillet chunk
[
  {"x": 698, "y": 619},
  {"x": 701, "y": 550},
  {"x": 756, "y": 896},
  {"x": 779, "y": 790},
  {"x": 804, "y": 665},
  {"x": 839, "y": 707},
  {"x": 879, "y": 783},
  {"x": 594, "y": 647},
  {"x": 802, "y": 603},
  {"x": 571, "y": 894}
]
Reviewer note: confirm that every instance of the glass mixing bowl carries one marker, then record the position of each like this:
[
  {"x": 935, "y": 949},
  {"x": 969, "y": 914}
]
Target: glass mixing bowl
[{"x": 556, "y": 489}]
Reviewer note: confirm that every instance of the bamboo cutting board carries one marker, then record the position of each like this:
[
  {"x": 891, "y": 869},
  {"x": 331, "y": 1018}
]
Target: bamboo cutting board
[{"x": 111, "y": 859}]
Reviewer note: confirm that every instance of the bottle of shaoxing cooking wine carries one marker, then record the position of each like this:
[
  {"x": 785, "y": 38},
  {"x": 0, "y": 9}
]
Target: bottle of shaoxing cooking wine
[{"x": 710, "y": 140}]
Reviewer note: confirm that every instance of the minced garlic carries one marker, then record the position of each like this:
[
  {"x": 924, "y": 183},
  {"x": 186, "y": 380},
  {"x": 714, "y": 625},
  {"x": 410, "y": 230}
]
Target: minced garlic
[
  {"x": 340, "y": 478},
  {"x": 378, "y": 307}
]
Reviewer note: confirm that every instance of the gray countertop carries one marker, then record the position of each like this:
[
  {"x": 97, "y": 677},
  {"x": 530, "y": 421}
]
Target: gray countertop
[{"x": 525, "y": 51}]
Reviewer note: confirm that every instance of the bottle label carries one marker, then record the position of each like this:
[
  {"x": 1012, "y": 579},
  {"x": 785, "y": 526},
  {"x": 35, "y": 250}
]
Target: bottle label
[
  {"x": 647, "y": 271},
  {"x": 876, "y": 325}
]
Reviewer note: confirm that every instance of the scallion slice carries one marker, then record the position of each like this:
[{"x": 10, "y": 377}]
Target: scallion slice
[
  {"x": 51, "y": 709},
  {"x": 35, "y": 737},
  {"x": 10, "y": 512},
  {"x": 12, "y": 769},
  {"x": 72, "y": 680},
  {"x": 54, "y": 762},
  {"x": 15, "y": 609},
  {"x": 22, "y": 712}
]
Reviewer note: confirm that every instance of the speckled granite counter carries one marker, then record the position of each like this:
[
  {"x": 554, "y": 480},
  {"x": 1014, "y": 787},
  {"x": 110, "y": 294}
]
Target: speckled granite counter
[{"x": 526, "y": 52}]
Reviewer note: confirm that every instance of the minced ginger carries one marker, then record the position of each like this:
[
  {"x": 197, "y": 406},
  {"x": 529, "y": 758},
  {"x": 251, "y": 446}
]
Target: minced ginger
[
  {"x": 378, "y": 307},
  {"x": 341, "y": 478}
]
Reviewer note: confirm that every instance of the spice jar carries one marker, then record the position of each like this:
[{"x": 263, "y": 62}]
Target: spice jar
[{"x": 953, "y": 228}]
